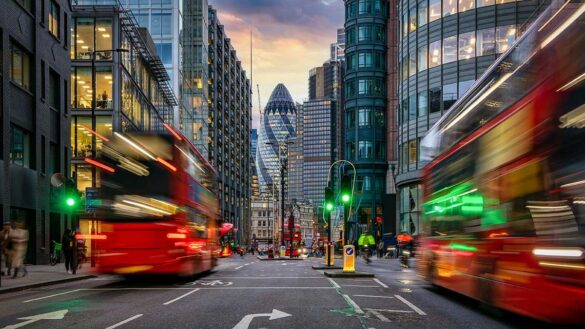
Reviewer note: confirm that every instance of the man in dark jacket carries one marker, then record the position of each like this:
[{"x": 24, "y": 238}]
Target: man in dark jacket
[{"x": 68, "y": 243}]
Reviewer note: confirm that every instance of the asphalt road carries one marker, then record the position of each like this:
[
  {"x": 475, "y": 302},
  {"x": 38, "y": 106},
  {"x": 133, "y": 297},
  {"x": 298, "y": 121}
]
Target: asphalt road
[{"x": 248, "y": 293}]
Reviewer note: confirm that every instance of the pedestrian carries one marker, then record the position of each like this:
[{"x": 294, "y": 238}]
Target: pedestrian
[
  {"x": 18, "y": 238},
  {"x": 380, "y": 249},
  {"x": 67, "y": 243},
  {"x": 5, "y": 248}
]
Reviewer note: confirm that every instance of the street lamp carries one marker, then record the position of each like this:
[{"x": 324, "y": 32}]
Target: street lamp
[{"x": 93, "y": 136}]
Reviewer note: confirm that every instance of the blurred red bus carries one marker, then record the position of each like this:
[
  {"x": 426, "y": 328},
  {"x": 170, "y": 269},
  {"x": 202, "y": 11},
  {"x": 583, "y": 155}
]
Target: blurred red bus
[
  {"x": 504, "y": 192},
  {"x": 159, "y": 212},
  {"x": 297, "y": 250}
]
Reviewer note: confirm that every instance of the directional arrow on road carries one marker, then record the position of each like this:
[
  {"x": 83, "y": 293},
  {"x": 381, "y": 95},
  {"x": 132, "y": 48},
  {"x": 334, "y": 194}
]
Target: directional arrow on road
[
  {"x": 245, "y": 322},
  {"x": 57, "y": 315}
]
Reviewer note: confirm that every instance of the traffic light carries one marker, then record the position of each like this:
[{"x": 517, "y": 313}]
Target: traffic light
[
  {"x": 329, "y": 201},
  {"x": 71, "y": 196},
  {"x": 346, "y": 191}
]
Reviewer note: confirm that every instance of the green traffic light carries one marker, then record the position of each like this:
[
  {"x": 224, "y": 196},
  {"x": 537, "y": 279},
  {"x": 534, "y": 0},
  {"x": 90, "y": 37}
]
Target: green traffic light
[
  {"x": 70, "y": 202},
  {"x": 329, "y": 206},
  {"x": 345, "y": 198}
]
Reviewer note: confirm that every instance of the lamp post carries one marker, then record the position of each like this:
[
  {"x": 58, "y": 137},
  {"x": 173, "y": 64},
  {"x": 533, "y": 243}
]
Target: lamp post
[{"x": 93, "y": 135}]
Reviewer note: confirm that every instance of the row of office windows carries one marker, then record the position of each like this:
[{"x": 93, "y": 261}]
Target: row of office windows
[
  {"x": 366, "y": 59},
  {"x": 89, "y": 36},
  {"x": 432, "y": 101},
  {"x": 365, "y": 118},
  {"x": 409, "y": 153},
  {"x": 365, "y": 33},
  {"x": 364, "y": 7},
  {"x": 22, "y": 151},
  {"x": 365, "y": 87},
  {"x": 366, "y": 150},
  {"x": 430, "y": 10},
  {"x": 494, "y": 40}
]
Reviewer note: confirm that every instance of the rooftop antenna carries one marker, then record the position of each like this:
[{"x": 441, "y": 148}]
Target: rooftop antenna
[{"x": 259, "y": 101}]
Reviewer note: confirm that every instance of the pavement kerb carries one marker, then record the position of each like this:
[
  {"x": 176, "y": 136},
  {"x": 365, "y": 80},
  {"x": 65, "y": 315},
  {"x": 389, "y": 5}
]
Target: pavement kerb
[
  {"x": 46, "y": 283},
  {"x": 349, "y": 275}
]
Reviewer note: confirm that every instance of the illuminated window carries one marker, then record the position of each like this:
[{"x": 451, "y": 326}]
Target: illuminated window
[
  {"x": 435, "y": 53},
  {"x": 20, "y": 147},
  {"x": 422, "y": 13},
  {"x": 484, "y": 3},
  {"x": 449, "y": 7},
  {"x": 505, "y": 36},
  {"x": 466, "y": 45},
  {"x": 449, "y": 49},
  {"x": 93, "y": 34},
  {"x": 465, "y": 5},
  {"x": 412, "y": 152},
  {"x": 486, "y": 42},
  {"x": 81, "y": 84},
  {"x": 54, "y": 18},
  {"x": 82, "y": 132},
  {"x": 412, "y": 19},
  {"x": 434, "y": 10},
  {"x": 405, "y": 23},
  {"x": 422, "y": 58},
  {"x": 20, "y": 67},
  {"x": 499, "y": 2}
]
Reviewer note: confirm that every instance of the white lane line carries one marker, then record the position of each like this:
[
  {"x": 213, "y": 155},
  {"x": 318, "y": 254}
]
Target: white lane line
[
  {"x": 125, "y": 321},
  {"x": 181, "y": 297},
  {"x": 50, "y": 296},
  {"x": 335, "y": 285},
  {"x": 246, "y": 264},
  {"x": 371, "y": 296},
  {"x": 239, "y": 267},
  {"x": 360, "y": 286},
  {"x": 269, "y": 288},
  {"x": 272, "y": 277},
  {"x": 379, "y": 315},
  {"x": 391, "y": 311},
  {"x": 411, "y": 305},
  {"x": 355, "y": 306},
  {"x": 381, "y": 283}
]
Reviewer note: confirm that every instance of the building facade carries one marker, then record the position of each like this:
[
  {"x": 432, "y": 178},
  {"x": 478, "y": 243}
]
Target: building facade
[
  {"x": 230, "y": 110},
  {"x": 295, "y": 161},
  {"x": 132, "y": 88},
  {"x": 277, "y": 127},
  {"x": 262, "y": 221},
  {"x": 443, "y": 47},
  {"x": 365, "y": 107},
  {"x": 254, "y": 186},
  {"x": 34, "y": 122}
]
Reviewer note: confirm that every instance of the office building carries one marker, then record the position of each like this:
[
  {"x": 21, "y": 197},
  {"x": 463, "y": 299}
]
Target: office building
[
  {"x": 254, "y": 186},
  {"x": 338, "y": 48},
  {"x": 443, "y": 47},
  {"x": 34, "y": 118},
  {"x": 229, "y": 121},
  {"x": 295, "y": 161}
]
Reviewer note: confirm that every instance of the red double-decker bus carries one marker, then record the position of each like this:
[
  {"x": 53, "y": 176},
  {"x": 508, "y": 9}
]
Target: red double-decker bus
[
  {"x": 159, "y": 212},
  {"x": 504, "y": 192}
]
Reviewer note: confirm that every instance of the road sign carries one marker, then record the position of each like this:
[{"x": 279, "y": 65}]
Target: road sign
[
  {"x": 246, "y": 320},
  {"x": 91, "y": 199},
  {"x": 212, "y": 283},
  {"x": 57, "y": 315},
  {"x": 348, "y": 258}
]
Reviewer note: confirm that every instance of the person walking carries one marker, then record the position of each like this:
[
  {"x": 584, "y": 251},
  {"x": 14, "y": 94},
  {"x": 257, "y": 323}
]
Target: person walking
[
  {"x": 68, "y": 243},
  {"x": 380, "y": 249},
  {"x": 5, "y": 248},
  {"x": 18, "y": 237}
]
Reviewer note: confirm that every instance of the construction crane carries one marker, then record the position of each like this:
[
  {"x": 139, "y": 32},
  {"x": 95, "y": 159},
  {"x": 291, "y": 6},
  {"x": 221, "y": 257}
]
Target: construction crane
[{"x": 259, "y": 101}]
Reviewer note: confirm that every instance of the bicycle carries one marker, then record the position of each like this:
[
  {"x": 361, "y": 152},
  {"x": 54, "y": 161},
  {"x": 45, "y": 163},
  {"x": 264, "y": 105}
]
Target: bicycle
[{"x": 55, "y": 256}]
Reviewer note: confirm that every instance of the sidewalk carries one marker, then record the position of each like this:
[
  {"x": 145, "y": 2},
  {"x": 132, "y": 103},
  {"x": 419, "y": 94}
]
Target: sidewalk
[{"x": 43, "y": 275}]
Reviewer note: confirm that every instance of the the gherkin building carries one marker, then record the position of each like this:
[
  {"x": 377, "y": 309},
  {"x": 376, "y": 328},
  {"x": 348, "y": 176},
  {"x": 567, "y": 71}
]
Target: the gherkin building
[{"x": 278, "y": 125}]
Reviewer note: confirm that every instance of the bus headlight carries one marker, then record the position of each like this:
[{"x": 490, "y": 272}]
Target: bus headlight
[{"x": 558, "y": 252}]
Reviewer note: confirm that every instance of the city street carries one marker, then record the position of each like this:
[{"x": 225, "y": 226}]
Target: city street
[{"x": 249, "y": 293}]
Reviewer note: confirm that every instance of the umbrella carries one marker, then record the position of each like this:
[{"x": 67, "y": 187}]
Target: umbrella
[
  {"x": 404, "y": 238},
  {"x": 366, "y": 239},
  {"x": 225, "y": 228}
]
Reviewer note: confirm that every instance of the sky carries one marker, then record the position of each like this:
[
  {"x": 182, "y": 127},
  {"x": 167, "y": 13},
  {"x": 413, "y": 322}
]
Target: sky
[{"x": 289, "y": 38}]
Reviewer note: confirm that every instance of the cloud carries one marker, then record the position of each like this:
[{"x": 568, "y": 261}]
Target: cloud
[{"x": 290, "y": 38}]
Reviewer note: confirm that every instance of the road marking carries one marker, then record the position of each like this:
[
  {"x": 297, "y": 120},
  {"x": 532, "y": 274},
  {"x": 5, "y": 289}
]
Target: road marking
[
  {"x": 379, "y": 315},
  {"x": 334, "y": 283},
  {"x": 381, "y": 283},
  {"x": 57, "y": 315},
  {"x": 50, "y": 296},
  {"x": 212, "y": 283},
  {"x": 124, "y": 322},
  {"x": 411, "y": 305},
  {"x": 247, "y": 264},
  {"x": 272, "y": 277},
  {"x": 182, "y": 296},
  {"x": 239, "y": 267},
  {"x": 360, "y": 286},
  {"x": 371, "y": 296},
  {"x": 355, "y": 306},
  {"x": 246, "y": 320},
  {"x": 391, "y": 311},
  {"x": 270, "y": 288}
]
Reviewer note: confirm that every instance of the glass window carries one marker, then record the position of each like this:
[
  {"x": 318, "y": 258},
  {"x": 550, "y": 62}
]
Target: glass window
[
  {"x": 499, "y": 2},
  {"x": 350, "y": 150},
  {"x": 483, "y": 3},
  {"x": 505, "y": 36},
  {"x": 449, "y": 95},
  {"x": 365, "y": 150},
  {"x": 377, "y": 6},
  {"x": 465, "y": 5},
  {"x": 422, "y": 13},
  {"x": 411, "y": 64},
  {"x": 405, "y": 23},
  {"x": 434, "y": 10},
  {"x": 379, "y": 60},
  {"x": 54, "y": 18},
  {"x": 20, "y": 70},
  {"x": 161, "y": 24},
  {"x": 350, "y": 36},
  {"x": 20, "y": 147},
  {"x": 367, "y": 183},
  {"x": 351, "y": 10},
  {"x": 165, "y": 52},
  {"x": 365, "y": 60},
  {"x": 412, "y": 19},
  {"x": 380, "y": 119},
  {"x": 423, "y": 103},
  {"x": 467, "y": 45},
  {"x": 435, "y": 54},
  {"x": 380, "y": 33},
  {"x": 54, "y": 90},
  {"x": 103, "y": 38},
  {"x": 412, "y": 152},
  {"x": 81, "y": 134},
  {"x": 351, "y": 119},
  {"x": 350, "y": 62},
  {"x": 365, "y": 117},
  {"x": 81, "y": 93},
  {"x": 435, "y": 96},
  {"x": 486, "y": 42},
  {"x": 364, "y": 6},
  {"x": 449, "y": 7},
  {"x": 464, "y": 86},
  {"x": 422, "y": 58},
  {"x": 404, "y": 110},
  {"x": 404, "y": 154},
  {"x": 350, "y": 88},
  {"x": 450, "y": 49},
  {"x": 84, "y": 41},
  {"x": 411, "y": 107},
  {"x": 363, "y": 33}
]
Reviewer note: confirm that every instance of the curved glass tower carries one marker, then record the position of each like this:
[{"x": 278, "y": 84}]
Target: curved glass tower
[
  {"x": 278, "y": 124},
  {"x": 365, "y": 107}
]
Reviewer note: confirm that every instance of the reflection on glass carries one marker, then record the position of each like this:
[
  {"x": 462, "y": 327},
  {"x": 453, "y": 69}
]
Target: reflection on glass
[
  {"x": 505, "y": 36},
  {"x": 434, "y": 10},
  {"x": 449, "y": 7},
  {"x": 411, "y": 107},
  {"x": 498, "y": 2},
  {"x": 435, "y": 54},
  {"x": 81, "y": 134},
  {"x": 412, "y": 152},
  {"x": 423, "y": 106},
  {"x": 422, "y": 58},
  {"x": 467, "y": 45},
  {"x": 484, "y": 3},
  {"x": 412, "y": 64},
  {"x": 405, "y": 24},
  {"x": 465, "y": 5},
  {"x": 449, "y": 49},
  {"x": 81, "y": 92},
  {"x": 464, "y": 86},
  {"x": 412, "y": 19},
  {"x": 422, "y": 13},
  {"x": 104, "y": 88},
  {"x": 449, "y": 95},
  {"x": 486, "y": 42}
]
